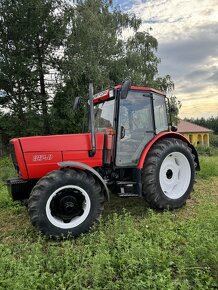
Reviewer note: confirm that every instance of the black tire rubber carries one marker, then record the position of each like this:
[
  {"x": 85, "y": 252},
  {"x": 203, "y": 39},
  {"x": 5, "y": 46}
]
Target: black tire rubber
[
  {"x": 51, "y": 182},
  {"x": 152, "y": 191}
]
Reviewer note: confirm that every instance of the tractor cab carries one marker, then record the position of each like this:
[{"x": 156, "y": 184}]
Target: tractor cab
[{"x": 134, "y": 119}]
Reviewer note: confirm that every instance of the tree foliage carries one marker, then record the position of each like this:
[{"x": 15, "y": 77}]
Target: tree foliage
[
  {"x": 174, "y": 107},
  {"x": 29, "y": 41},
  {"x": 80, "y": 43}
]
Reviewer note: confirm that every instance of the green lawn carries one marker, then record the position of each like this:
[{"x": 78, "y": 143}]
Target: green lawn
[{"x": 133, "y": 247}]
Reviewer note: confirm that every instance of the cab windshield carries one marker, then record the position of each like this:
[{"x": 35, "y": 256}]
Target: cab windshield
[{"x": 104, "y": 115}]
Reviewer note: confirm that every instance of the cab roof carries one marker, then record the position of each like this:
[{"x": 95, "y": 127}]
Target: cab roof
[{"x": 108, "y": 93}]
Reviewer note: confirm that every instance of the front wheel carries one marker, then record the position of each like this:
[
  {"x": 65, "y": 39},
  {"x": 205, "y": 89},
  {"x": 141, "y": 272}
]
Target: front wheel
[
  {"x": 168, "y": 174},
  {"x": 65, "y": 202}
]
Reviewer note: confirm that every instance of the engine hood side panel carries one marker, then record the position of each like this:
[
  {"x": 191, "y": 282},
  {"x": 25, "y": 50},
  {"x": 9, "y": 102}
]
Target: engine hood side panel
[
  {"x": 42, "y": 153},
  {"x": 69, "y": 142},
  {"x": 19, "y": 158}
]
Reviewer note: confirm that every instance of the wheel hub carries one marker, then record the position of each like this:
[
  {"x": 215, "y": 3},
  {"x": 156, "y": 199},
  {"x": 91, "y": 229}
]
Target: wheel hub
[
  {"x": 67, "y": 204},
  {"x": 175, "y": 175},
  {"x": 169, "y": 174}
]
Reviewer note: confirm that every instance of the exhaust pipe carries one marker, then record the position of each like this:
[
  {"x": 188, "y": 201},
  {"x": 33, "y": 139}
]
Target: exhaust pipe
[{"x": 92, "y": 121}]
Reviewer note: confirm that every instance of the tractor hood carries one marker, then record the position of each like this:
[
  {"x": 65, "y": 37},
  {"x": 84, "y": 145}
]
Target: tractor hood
[
  {"x": 69, "y": 142},
  {"x": 34, "y": 157}
]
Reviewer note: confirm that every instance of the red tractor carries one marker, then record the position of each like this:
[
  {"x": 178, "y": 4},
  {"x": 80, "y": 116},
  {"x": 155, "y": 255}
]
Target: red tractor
[{"x": 130, "y": 147}]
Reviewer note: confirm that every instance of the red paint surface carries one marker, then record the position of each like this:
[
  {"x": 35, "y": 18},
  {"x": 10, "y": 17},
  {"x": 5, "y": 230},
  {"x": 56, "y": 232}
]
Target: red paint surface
[
  {"x": 39, "y": 155},
  {"x": 60, "y": 142},
  {"x": 40, "y": 170},
  {"x": 158, "y": 137},
  {"x": 20, "y": 158},
  {"x": 143, "y": 89},
  {"x": 147, "y": 89},
  {"x": 105, "y": 95},
  {"x": 83, "y": 156},
  {"x": 109, "y": 142}
]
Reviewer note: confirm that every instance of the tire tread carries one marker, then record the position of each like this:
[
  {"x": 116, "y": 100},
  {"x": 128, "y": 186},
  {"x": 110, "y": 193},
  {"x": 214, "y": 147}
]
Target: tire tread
[
  {"x": 150, "y": 189},
  {"x": 55, "y": 177}
]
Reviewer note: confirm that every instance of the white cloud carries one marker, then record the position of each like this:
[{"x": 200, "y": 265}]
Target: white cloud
[
  {"x": 187, "y": 32},
  {"x": 173, "y": 18}
]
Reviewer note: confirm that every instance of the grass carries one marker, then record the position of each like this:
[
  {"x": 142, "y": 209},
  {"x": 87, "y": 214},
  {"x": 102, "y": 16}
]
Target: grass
[
  {"x": 209, "y": 166},
  {"x": 133, "y": 247}
]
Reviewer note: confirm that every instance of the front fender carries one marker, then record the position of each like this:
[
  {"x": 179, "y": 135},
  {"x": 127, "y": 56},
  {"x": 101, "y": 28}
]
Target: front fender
[
  {"x": 167, "y": 135},
  {"x": 75, "y": 164}
]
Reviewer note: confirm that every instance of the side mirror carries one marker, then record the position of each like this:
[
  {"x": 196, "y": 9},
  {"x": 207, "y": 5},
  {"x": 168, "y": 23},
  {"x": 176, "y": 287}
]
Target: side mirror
[
  {"x": 174, "y": 129},
  {"x": 77, "y": 103},
  {"x": 125, "y": 89}
]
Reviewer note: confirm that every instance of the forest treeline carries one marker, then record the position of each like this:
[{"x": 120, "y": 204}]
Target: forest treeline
[{"x": 50, "y": 50}]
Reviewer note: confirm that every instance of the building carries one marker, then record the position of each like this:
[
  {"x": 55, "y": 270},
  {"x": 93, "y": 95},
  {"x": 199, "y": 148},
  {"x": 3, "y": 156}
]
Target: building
[{"x": 197, "y": 135}]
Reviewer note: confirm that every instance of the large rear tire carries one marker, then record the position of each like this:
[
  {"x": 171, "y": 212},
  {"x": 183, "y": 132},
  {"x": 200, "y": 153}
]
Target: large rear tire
[
  {"x": 168, "y": 174},
  {"x": 65, "y": 203}
]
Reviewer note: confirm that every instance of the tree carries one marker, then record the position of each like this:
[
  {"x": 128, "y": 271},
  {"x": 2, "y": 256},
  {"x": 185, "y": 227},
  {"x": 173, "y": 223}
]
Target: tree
[
  {"x": 141, "y": 60},
  {"x": 95, "y": 50},
  {"x": 31, "y": 33},
  {"x": 94, "y": 46},
  {"x": 174, "y": 105}
]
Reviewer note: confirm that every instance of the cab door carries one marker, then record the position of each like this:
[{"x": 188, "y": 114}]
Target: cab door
[{"x": 135, "y": 127}]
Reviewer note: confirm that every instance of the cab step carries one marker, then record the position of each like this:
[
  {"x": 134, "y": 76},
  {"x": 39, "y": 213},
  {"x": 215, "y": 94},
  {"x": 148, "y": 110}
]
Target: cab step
[
  {"x": 127, "y": 189},
  {"x": 127, "y": 194},
  {"x": 125, "y": 183}
]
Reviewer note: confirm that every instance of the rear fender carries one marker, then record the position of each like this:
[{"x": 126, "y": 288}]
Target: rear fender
[
  {"x": 88, "y": 168},
  {"x": 194, "y": 151},
  {"x": 167, "y": 135}
]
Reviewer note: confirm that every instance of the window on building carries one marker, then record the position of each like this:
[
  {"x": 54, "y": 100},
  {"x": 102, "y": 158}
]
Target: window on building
[
  {"x": 190, "y": 138},
  {"x": 199, "y": 142}
]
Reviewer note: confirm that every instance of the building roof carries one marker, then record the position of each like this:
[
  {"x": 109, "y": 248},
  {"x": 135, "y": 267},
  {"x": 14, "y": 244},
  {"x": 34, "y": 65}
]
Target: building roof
[{"x": 188, "y": 127}]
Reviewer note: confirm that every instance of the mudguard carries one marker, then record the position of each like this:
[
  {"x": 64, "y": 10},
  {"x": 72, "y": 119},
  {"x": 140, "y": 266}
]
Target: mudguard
[
  {"x": 167, "y": 135},
  {"x": 74, "y": 164}
]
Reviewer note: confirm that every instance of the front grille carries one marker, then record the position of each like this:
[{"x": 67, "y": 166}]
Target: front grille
[{"x": 13, "y": 156}]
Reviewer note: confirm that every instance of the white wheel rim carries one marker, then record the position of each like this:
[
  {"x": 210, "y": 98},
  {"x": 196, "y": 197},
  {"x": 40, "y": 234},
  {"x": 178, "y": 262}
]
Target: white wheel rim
[
  {"x": 76, "y": 221},
  {"x": 175, "y": 175}
]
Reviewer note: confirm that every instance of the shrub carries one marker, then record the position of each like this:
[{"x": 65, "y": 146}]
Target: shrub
[
  {"x": 6, "y": 169},
  {"x": 214, "y": 140},
  {"x": 207, "y": 151}
]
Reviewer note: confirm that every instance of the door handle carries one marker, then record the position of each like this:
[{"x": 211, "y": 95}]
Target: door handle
[{"x": 122, "y": 132}]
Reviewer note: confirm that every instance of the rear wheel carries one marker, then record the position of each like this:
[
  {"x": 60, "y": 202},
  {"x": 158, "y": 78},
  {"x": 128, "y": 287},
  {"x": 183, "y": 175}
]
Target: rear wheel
[
  {"x": 168, "y": 174},
  {"x": 65, "y": 203}
]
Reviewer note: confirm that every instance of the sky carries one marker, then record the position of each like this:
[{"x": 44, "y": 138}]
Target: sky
[{"x": 187, "y": 33}]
